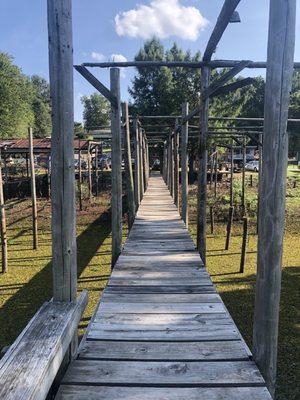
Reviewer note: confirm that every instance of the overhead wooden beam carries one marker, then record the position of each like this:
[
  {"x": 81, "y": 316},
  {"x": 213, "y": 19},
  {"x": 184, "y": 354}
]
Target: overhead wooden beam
[
  {"x": 223, "y": 20},
  {"x": 97, "y": 84},
  {"x": 219, "y": 82},
  {"x": 233, "y": 86},
  {"x": 64, "y": 250},
  {"x": 272, "y": 186}
]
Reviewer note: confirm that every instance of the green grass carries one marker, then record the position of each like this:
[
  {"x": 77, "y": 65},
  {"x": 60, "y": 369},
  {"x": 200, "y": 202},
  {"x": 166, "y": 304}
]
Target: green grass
[{"x": 28, "y": 282}]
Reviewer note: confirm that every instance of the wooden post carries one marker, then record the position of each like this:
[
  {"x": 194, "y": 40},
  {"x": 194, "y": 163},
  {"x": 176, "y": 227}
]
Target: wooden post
[
  {"x": 165, "y": 162},
  {"x": 128, "y": 167},
  {"x": 231, "y": 208},
  {"x": 243, "y": 178},
  {"x": 272, "y": 187},
  {"x": 3, "y": 225},
  {"x": 89, "y": 154},
  {"x": 49, "y": 178},
  {"x": 137, "y": 188},
  {"x": 202, "y": 173},
  {"x": 169, "y": 164},
  {"x": 33, "y": 190},
  {"x": 184, "y": 164},
  {"x": 212, "y": 222},
  {"x": 176, "y": 166},
  {"x": 244, "y": 244},
  {"x": 97, "y": 169},
  {"x": 116, "y": 167},
  {"x": 251, "y": 181},
  {"x": 216, "y": 174},
  {"x": 64, "y": 252},
  {"x": 144, "y": 162},
  {"x": 79, "y": 177},
  {"x": 172, "y": 181},
  {"x": 141, "y": 147},
  {"x": 259, "y": 175}
]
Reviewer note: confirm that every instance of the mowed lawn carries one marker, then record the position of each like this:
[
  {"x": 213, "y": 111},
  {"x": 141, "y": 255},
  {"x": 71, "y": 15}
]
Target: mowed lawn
[{"x": 28, "y": 282}]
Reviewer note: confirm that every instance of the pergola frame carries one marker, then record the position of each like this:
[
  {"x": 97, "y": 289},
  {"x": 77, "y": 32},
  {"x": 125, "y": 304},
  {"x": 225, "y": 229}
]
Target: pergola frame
[{"x": 279, "y": 67}]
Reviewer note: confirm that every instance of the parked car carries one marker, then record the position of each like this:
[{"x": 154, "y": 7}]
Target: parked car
[{"x": 252, "y": 166}]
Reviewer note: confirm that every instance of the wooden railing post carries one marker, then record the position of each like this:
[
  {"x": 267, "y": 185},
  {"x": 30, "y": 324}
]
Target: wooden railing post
[
  {"x": 64, "y": 252},
  {"x": 141, "y": 159},
  {"x": 272, "y": 186},
  {"x": 137, "y": 188},
  {"x": 3, "y": 225},
  {"x": 33, "y": 190},
  {"x": 128, "y": 166},
  {"x": 184, "y": 164},
  {"x": 116, "y": 166},
  {"x": 172, "y": 165},
  {"x": 90, "y": 172},
  {"x": 79, "y": 177},
  {"x": 176, "y": 165},
  {"x": 202, "y": 173}
]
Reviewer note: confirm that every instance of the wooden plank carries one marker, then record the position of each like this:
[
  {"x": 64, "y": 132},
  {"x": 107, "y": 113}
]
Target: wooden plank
[
  {"x": 160, "y": 289},
  {"x": 159, "y": 298},
  {"x": 163, "y": 373},
  {"x": 64, "y": 250},
  {"x": 29, "y": 367},
  {"x": 173, "y": 351},
  {"x": 272, "y": 186},
  {"x": 116, "y": 167},
  {"x": 70, "y": 392}
]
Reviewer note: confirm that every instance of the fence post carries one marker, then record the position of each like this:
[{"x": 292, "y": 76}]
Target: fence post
[
  {"x": 184, "y": 164},
  {"x": 137, "y": 188},
  {"x": 176, "y": 165},
  {"x": 33, "y": 190},
  {"x": 3, "y": 224}
]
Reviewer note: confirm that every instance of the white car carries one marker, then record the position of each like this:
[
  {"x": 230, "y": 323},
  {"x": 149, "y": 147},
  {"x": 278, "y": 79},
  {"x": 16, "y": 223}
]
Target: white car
[{"x": 252, "y": 166}]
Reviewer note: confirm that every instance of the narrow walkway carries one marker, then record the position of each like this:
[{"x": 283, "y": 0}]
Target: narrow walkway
[{"x": 161, "y": 332}]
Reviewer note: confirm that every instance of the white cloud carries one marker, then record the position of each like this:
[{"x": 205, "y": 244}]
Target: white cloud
[
  {"x": 118, "y": 58},
  {"x": 98, "y": 56},
  {"x": 162, "y": 18}
]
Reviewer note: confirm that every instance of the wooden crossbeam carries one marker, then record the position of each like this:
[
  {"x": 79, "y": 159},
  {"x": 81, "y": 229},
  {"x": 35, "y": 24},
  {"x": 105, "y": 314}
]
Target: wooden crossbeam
[
  {"x": 223, "y": 20},
  {"x": 218, "y": 83},
  {"x": 233, "y": 86},
  {"x": 97, "y": 84}
]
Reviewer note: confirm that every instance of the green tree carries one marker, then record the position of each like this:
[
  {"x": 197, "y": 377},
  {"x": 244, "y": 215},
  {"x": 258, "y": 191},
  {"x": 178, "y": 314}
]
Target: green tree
[
  {"x": 41, "y": 107},
  {"x": 78, "y": 130},
  {"x": 96, "y": 111},
  {"x": 16, "y": 96},
  {"x": 294, "y": 112}
]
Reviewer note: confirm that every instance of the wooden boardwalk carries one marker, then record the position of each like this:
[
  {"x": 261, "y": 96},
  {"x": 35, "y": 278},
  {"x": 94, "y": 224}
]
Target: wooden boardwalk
[{"x": 161, "y": 331}]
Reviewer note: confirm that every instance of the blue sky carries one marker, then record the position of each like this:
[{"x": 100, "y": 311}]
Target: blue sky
[{"x": 23, "y": 33}]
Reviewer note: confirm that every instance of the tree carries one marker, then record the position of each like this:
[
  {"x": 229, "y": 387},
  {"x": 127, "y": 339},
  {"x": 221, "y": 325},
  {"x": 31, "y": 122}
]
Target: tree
[
  {"x": 294, "y": 112},
  {"x": 16, "y": 96},
  {"x": 78, "y": 130},
  {"x": 96, "y": 111},
  {"x": 41, "y": 107}
]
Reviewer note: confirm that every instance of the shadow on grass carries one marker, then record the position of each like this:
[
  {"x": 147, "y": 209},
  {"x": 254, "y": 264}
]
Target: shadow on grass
[
  {"x": 240, "y": 304},
  {"x": 17, "y": 311}
]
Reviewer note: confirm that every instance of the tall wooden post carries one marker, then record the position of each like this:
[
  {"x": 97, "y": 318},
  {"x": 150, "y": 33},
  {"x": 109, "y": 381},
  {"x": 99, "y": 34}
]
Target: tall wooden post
[
  {"x": 137, "y": 188},
  {"x": 141, "y": 159},
  {"x": 64, "y": 252},
  {"x": 216, "y": 174},
  {"x": 259, "y": 174},
  {"x": 144, "y": 159},
  {"x": 33, "y": 190},
  {"x": 184, "y": 164},
  {"x": 89, "y": 154},
  {"x": 272, "y": 186},
  {"x": 79, "y": 177},
  {"x": 49, "y": 177},
  {"x": 231, "y": 208},
  {"x": 128, "y": 166},
  {"x": 97, "y": 169},
  {"x": 116, "y": 167},
  {"x": 176, "y": 165},
  {"x": 164, "y": 162},
  {"x": 3, "y": 225},
  {"x": 202, "y": 173},
  {"x": 169, "y": 163},
  {"x": 172, "y": 181},
  {"x": 244, "y": 178}
]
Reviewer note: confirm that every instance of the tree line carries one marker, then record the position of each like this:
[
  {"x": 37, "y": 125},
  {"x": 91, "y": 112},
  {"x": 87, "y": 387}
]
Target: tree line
[{"x": 25, "y": 100}]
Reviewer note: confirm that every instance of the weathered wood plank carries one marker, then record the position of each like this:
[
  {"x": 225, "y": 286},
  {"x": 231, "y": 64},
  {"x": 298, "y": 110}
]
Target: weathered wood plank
[
  {"x": 163, "y": 373},
  {"x": 173, "y": 351},
  {"x": 69, "y": 392}
]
